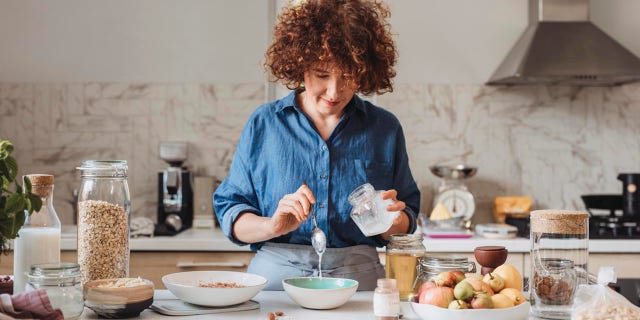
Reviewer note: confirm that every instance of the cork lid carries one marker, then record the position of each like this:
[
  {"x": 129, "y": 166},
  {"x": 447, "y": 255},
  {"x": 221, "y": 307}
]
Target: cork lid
[
  {"x": 41, "y": 184},
  {"x": 559, "y": 221}
]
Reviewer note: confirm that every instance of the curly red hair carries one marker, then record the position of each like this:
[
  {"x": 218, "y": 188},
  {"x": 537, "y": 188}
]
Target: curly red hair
[{"x": 353, "y": 34}]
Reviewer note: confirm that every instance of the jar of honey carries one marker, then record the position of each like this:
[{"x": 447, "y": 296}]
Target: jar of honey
[{"x": 403, "y": 252}]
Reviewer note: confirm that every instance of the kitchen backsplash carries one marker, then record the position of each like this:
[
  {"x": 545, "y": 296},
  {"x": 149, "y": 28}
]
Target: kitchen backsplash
[{"x": 553, "y": 143}]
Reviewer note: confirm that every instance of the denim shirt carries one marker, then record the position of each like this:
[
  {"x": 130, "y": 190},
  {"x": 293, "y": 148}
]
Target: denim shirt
[{"x": 280, "y": 148}]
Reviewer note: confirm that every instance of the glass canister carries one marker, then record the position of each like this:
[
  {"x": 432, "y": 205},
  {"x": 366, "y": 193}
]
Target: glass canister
[
  {"x": 403, "y": 252},
  {"x": 559, "y": 258},
  {"x": 370, "y": 211},
  {"x": 39, "y": 238},
  {"x": 103, "y": 220},
  {"x": 62, "y": 283},
  {"x": 430, "y": 265}
]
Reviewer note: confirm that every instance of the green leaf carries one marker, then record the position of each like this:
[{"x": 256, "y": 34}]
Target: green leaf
[
  {"x": 5, "y": 183},
  {"x": 12, "y": 167},
  {"x": 36, "y": 202},
  {"x": 27, "y": 184},
  {"x": 15, "y": 203}
]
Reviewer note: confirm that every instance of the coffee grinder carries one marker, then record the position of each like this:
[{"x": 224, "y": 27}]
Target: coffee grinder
[{"x": 175, "y": 193}]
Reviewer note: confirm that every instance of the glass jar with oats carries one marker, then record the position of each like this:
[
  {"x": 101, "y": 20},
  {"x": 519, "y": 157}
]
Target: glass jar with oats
[{"x": 103, "y": 220}]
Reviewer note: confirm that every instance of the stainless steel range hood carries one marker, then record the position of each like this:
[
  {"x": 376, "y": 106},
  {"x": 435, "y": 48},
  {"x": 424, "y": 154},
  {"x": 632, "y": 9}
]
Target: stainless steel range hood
[{"x": 561, "y": 47}]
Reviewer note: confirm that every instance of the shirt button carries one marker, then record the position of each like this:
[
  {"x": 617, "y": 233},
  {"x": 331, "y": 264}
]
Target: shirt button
[
  {"x": 323, "y": 176},
  {"x": 321, "y": 205},
  {"x": 324, "y": 148}
]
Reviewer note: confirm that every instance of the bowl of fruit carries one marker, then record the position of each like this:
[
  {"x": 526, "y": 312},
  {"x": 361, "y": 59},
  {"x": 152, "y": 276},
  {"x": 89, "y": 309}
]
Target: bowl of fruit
[{"x": 454, "y": 295}]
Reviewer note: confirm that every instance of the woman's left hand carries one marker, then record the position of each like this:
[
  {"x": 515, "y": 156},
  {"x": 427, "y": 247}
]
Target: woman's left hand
[{"x": 397, "y": 205}]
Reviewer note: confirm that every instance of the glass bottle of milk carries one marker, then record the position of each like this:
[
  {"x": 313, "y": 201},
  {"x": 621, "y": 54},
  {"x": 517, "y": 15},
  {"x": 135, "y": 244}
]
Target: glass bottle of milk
[{"x": 38, "y": 240}]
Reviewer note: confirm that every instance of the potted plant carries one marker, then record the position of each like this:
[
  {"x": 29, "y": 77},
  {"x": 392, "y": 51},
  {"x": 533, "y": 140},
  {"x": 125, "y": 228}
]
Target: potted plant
[{"x": 13, "y": 203}]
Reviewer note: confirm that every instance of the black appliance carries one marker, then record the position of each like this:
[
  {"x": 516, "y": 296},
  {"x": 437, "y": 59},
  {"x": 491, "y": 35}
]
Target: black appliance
[
  {"x": 630, "y": 195},
  {"x": 607, "y": 219},
  {"x": 175, "y": 191}
]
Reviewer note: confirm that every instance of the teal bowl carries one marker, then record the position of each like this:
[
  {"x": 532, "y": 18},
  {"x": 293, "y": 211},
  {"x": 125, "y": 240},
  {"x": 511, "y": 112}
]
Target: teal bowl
[{"x": 320, "y": 293}]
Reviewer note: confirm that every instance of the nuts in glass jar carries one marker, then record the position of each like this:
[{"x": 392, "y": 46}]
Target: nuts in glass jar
[{"x": 552, "y": 291}]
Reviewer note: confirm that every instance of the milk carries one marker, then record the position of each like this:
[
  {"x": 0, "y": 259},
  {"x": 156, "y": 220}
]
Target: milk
[{"x": 34, "y": 245}]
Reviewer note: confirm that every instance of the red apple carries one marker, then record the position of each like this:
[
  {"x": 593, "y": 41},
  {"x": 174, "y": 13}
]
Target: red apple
[
  {"x": 438, "y": 296},
  {"x": 445, "y": 279},
  {"x": 482, "y": 301},
  {"x": 425, "y": 286},
  {"x": 459, "y": 275}
]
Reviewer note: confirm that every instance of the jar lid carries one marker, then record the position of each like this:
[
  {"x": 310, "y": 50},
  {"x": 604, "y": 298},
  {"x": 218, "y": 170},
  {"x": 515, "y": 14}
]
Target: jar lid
[
  {"x": 559, "y": 221},
  {"x": 54, "y": 273},
  {"x": 104, "y": 168},
  {"x": 443, "y": 260}
]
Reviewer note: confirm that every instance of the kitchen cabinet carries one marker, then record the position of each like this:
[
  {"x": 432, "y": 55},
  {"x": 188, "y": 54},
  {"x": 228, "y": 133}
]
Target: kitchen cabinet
[{"x": 153, "y": 265}]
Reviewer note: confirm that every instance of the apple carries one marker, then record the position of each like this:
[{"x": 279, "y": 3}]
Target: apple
[
  {"x": 463, "y": 290},
  {"x": 459, "y": 275},
  {"x": 482, "y": 301},
  {"x": 495, "y": 281},
  {"x": 458, "y": 304},
  {"x": 473, "y": 276},
  {"x": 480, "y": 286},
  {"x": 501, "y": 301},
  {"x": 445, "y": 279},
  {"x": 437, "y": 296},
  {"x": 425, "y": 286}
]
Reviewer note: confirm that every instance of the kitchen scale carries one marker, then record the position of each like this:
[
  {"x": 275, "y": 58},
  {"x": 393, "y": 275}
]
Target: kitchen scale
[{"x": 453, "y": 193}]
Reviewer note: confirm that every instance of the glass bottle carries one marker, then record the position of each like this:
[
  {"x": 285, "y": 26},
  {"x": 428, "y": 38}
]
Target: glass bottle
[
  {"x": 38, "y": 240},
  {"x": 103, "y": 220},
  {"x": 403, "y": 252},
  {"x": 430, "y": 265},
  {"x": 62, "y": 283},
  {"x": 386, "y": 300},
  {"x": 370, "y": 211},
  {"x": 559, "y": 258}
]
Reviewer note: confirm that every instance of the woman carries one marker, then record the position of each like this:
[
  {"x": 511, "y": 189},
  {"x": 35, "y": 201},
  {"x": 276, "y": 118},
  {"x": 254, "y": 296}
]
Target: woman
[{"x": 323, "y": 134}]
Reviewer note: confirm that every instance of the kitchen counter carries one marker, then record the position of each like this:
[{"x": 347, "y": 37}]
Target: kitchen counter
[
  {"x": 214, "y": 240},
  {"x": 359, "y": 307}
]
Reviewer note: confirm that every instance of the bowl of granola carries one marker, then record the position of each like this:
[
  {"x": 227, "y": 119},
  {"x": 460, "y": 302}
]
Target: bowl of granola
[
  {"x": 214, "y": 288},
  {"x": 119, "y": 297}
]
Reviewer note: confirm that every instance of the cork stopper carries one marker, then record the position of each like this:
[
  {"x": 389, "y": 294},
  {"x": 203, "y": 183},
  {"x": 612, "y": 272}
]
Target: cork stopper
[
  {"x": 559, "y": 221},
  {"x": 41, "y": 184}
]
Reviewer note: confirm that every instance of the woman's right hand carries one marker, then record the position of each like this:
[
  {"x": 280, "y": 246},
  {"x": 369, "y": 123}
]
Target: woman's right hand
[{"x": 292, "y": 210}]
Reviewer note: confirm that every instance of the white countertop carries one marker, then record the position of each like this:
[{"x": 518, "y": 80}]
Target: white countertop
[
  {"x": 213, "y": 240},
  {"x": 359, "y": 307}
]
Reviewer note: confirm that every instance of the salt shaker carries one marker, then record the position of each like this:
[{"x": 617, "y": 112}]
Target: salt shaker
[{"x": 386, "y": 300}]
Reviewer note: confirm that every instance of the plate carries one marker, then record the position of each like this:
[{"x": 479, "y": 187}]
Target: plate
[{"x": 430, "y": 312}]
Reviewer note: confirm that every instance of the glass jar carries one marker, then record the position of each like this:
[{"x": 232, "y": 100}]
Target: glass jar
[
  {"x": 62, "y": 283},
  {"x": 386, "y": 300},
  {"x": 370, "y": 211},
  {"x": 430, "y": 265},
  {"x": 38, "y": 239},
  {"x": 103, "y": 220},
  {"x": 559, "y": 257},
  {"x": 403, "y": 252}
]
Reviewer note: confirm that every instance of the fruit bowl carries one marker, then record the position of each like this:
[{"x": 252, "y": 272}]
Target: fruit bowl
[{"x": 430, "y": 312}]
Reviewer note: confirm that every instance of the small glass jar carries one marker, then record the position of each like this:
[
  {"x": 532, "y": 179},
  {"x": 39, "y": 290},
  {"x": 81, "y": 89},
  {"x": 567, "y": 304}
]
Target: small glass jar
[
  {"x": 430, "y": 265},
  {"x": 103, "y": 220},
  {"x": 559, "y": 258},
  {"x": 62, "y": 283},
  {"x": 403, "y": 252},
  {"x": 370, "y": 211},
  {"x": 386, "y": 300}
]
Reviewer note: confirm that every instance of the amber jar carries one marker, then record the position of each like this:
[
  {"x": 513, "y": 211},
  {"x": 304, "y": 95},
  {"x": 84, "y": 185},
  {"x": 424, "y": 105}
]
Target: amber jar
[{"x": 403, "y": 252}]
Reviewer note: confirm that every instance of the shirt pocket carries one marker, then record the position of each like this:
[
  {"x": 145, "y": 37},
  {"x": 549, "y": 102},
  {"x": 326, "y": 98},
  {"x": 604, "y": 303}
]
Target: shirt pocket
[{"x": 379, "y": 174}]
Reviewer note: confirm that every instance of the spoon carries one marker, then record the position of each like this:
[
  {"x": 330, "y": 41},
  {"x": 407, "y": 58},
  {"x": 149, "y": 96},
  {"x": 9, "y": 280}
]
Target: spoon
[{"x": 318, "y": 238}]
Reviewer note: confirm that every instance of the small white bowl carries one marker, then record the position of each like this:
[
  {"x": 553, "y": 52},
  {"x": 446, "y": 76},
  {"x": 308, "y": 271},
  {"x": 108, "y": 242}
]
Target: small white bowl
[
  {"x": 184, "y": 285},
  {"x": 320, "y": 293}
]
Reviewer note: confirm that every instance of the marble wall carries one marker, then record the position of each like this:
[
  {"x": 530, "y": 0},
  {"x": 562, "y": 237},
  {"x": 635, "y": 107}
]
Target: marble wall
[{"x": 552, "y": 143}]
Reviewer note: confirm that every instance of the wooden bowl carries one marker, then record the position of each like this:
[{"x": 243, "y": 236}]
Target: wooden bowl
[
  {"x": 117, "y": 302},
  {"x": 490, "y": 257},
  {"x": 6, "y": 284}
]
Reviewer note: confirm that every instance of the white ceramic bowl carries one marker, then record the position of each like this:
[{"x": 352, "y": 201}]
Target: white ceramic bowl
[
  {"x": 430, "y": 312},
  {"x": 184, "y": 285},
  {"x": 320, "y": 293}
]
